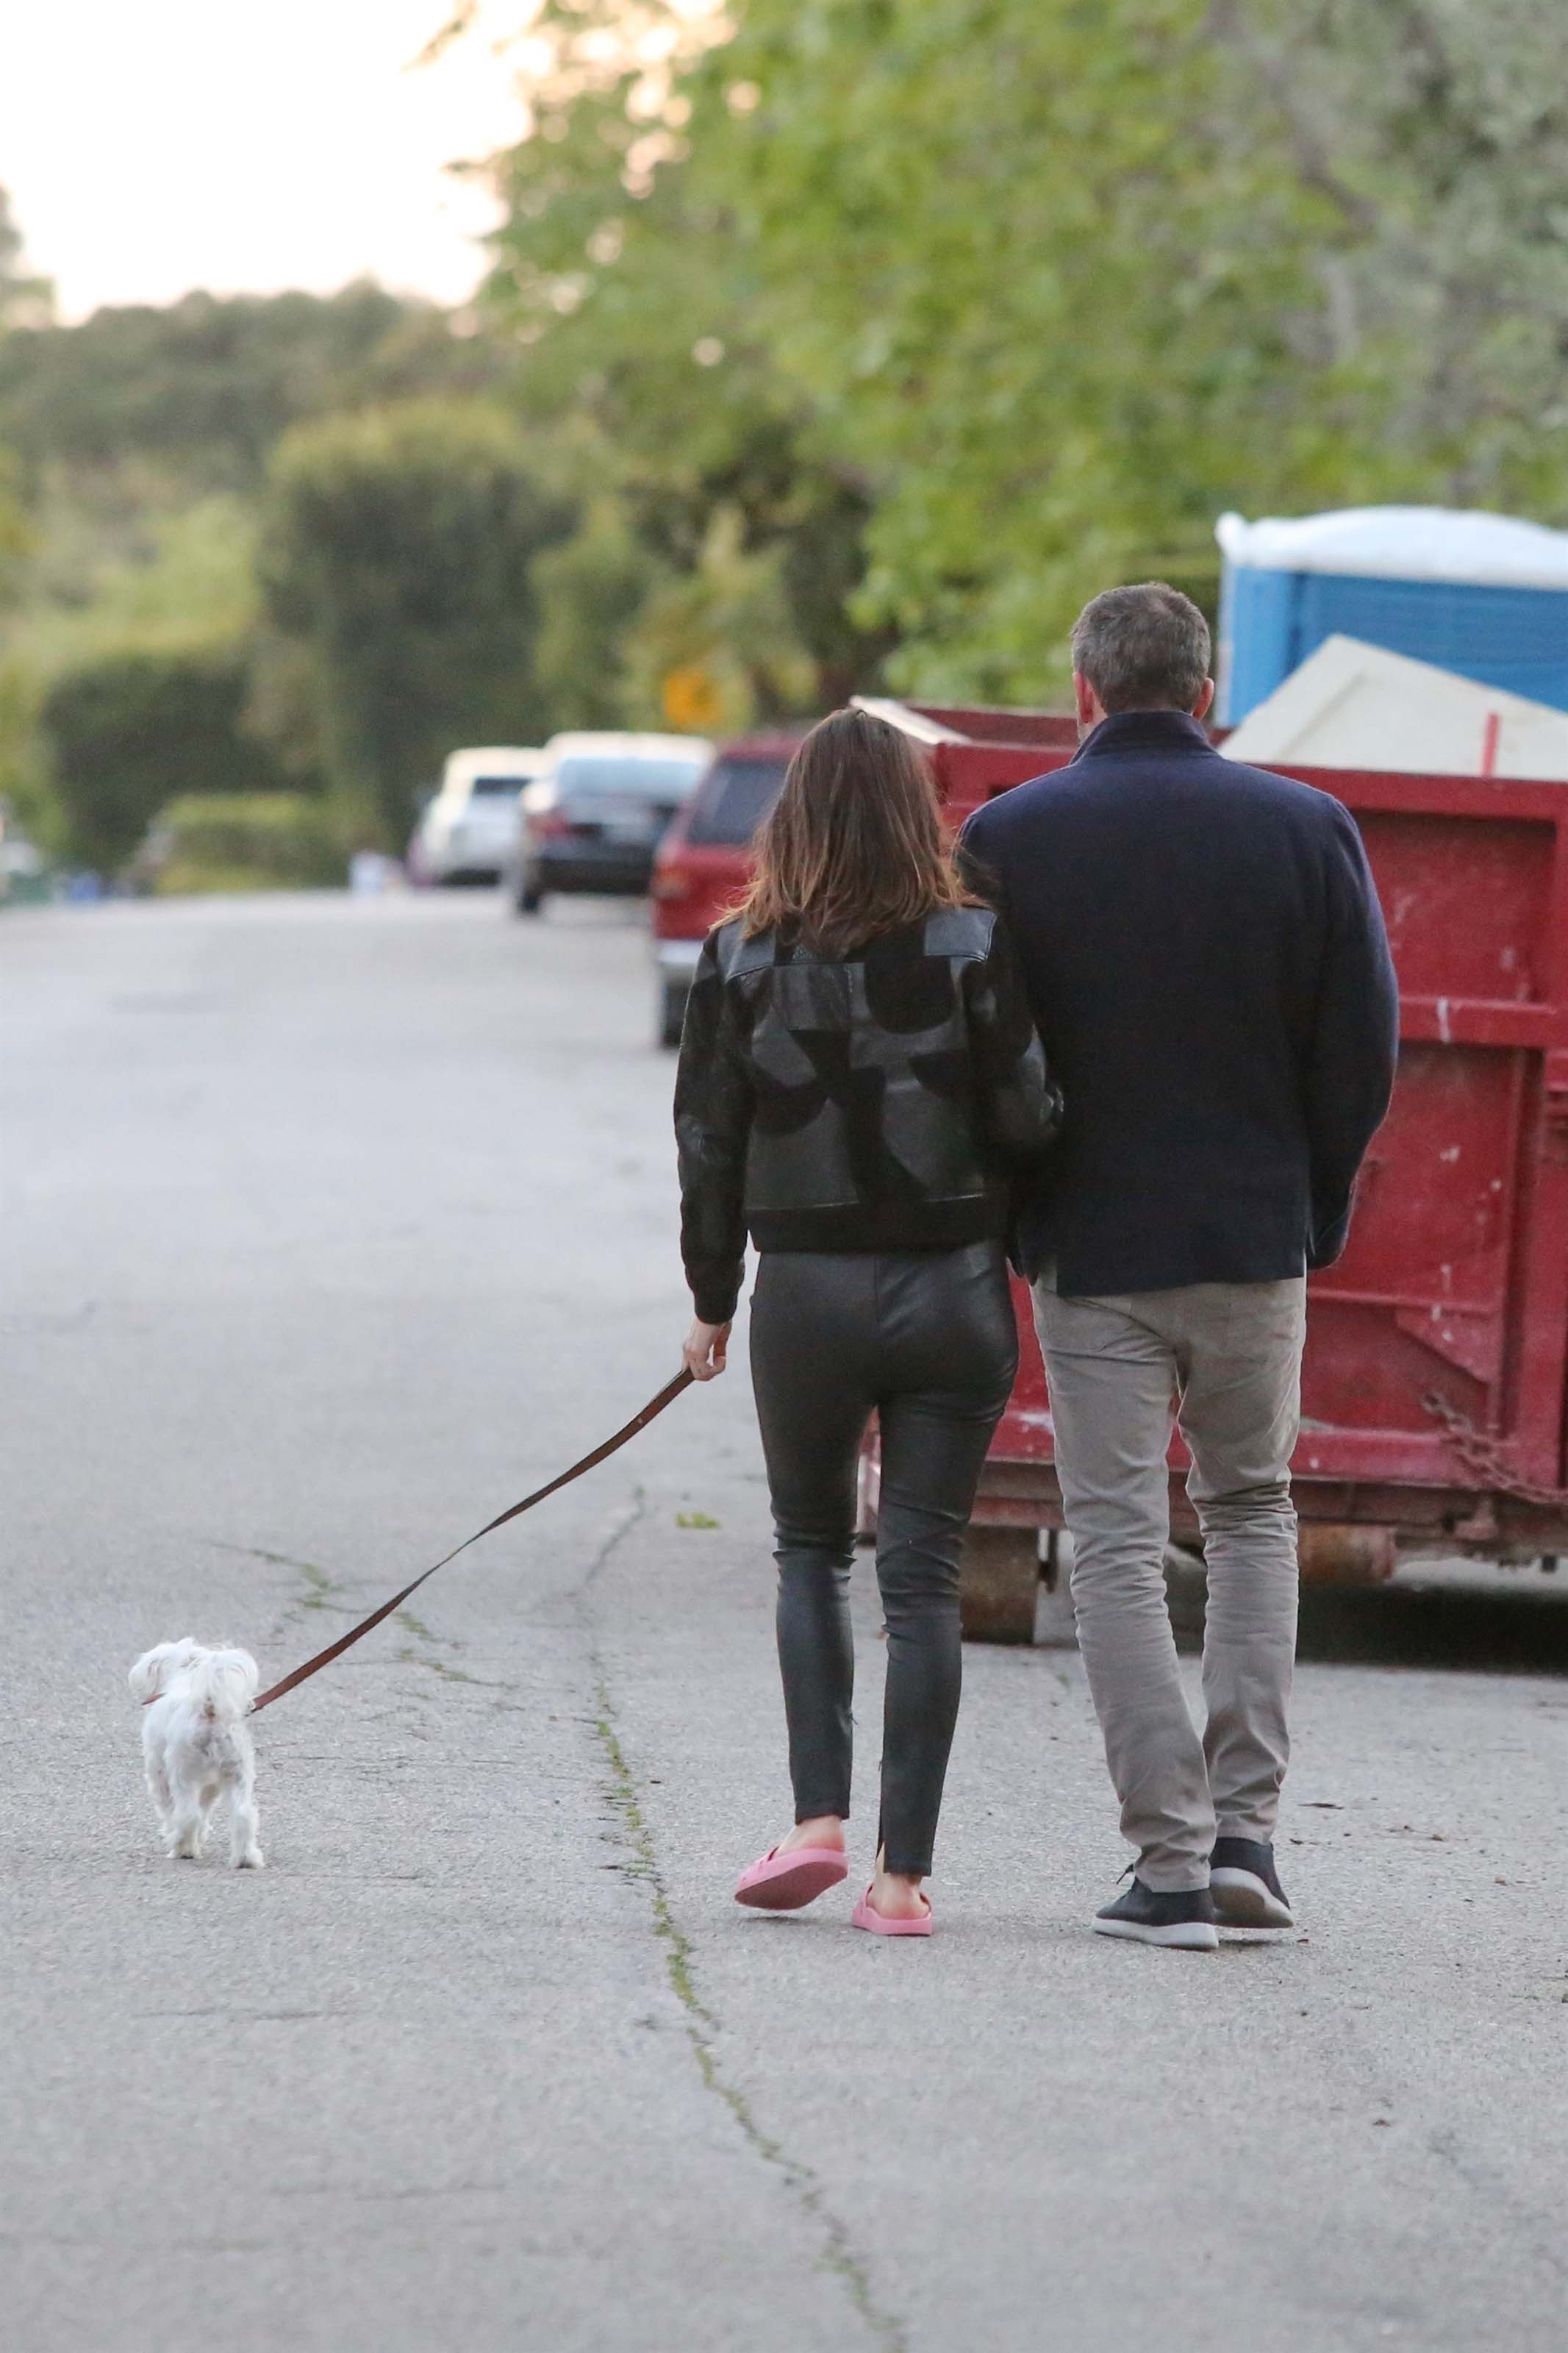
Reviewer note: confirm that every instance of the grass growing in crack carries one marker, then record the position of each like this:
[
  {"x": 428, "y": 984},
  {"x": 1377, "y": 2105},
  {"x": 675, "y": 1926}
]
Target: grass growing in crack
[
  {"x": 838, "y": 2255},
  {"x": 278, "y": 1559},
  {"x": 319, "y": 1586},
  {"x": 417, "y": 1626},
  {"x": 437, "y": 1666}
]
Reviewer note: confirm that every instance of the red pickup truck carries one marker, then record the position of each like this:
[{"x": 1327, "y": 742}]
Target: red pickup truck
[
  {"x": 702, "y": 862},
  {"x": 1436, "y": 1381}
]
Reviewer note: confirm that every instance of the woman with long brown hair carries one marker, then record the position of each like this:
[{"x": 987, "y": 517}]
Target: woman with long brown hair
[{"x": 859, "y": 1086}]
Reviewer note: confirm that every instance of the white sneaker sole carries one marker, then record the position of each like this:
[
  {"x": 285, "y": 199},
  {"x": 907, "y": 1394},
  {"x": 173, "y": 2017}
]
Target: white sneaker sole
[
  {"x": 1185, "y": 1935},
  {"x": 1245, "y": 1901}
]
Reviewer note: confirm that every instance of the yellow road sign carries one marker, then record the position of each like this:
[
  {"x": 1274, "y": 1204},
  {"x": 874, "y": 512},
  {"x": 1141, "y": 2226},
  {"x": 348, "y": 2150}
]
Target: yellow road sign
[{"x": 692, "y": 698}]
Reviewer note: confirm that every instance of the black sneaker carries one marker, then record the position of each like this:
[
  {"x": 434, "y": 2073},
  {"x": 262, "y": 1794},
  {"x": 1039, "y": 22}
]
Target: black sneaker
[
  {"x": 1246, "y": 1890},
  {"x": 1186, "y": 1919}
]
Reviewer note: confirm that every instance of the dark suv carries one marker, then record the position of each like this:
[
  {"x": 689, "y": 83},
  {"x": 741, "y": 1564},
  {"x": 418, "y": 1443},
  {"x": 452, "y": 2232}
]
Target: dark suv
[{"x": 593, "y": 820}]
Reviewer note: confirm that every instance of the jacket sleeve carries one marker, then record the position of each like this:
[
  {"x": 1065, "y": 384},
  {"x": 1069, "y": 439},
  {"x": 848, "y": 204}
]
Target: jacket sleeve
[
  {"x": 712, "y": 1122},
  {"x": 1020, "y": 1103},
  {"x": 1354, "y": 1044},
  {"x": 979, "y": 875}
]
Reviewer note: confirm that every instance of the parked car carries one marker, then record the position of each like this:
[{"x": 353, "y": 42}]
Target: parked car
[
  {"x": 595, "y": 817},
  {"x": 465, "y": 833},
  {"x": 704, "y": 859}
]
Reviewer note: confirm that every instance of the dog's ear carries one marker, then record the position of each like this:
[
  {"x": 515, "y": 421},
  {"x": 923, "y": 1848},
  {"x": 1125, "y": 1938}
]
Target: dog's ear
[
  {"x": 240, "y": 1674},
  {"x": 153, "y": 1669},
  {"x": 150, "y": 1673}
]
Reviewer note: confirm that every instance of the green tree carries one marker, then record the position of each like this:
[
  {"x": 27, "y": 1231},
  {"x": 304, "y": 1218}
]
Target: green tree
[
  {"x": 23, "y": 300},
  {"x": 398, "y": 549},
  {"x": 647, "y": 345},
  {"x": 730, "y": 618},
  {"x": 1070, "y": 282},
  {"x": 1434, "y": 133},
  {"x": 590, "y": 590},
  {"x": 1048, "y": 286},
  {"x": 189, "y": 608},
  {"x": 194, "y": 396}
]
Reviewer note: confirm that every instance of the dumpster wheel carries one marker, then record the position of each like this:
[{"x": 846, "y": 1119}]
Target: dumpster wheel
[{"x": 999, "y": 1573}]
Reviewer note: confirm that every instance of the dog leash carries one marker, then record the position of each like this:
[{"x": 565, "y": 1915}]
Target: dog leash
[{"x": 601, "y": 1453}]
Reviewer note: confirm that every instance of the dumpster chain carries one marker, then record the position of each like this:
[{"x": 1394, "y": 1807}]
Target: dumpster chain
[{"x": 1487, "y": 1458}]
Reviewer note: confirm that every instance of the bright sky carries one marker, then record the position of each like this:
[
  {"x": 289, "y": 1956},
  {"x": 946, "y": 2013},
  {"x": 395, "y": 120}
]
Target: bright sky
[{"x": 247, "y": 145}]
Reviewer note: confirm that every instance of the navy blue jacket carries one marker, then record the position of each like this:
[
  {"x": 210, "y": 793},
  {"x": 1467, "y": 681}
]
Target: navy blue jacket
[{"x": 1208, "y": 970}]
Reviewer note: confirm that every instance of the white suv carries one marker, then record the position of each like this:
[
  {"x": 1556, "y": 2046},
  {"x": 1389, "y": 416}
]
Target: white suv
[{"x": 467, "y": 832}]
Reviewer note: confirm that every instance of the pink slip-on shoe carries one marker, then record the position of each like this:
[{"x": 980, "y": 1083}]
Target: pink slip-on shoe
[
  {"x": 866, "y": 1916},
  {"x": 782, "y": 1883}
]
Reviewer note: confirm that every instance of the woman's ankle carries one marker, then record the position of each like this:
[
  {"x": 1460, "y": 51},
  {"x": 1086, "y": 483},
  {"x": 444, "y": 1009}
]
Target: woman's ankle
[
  {"x": 897, "y": 1894},
  {"x": 817, "y": 1829}
]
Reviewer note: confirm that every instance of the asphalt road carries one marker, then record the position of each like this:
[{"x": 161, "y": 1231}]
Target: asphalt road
[{"x": 327, "y": 1230}]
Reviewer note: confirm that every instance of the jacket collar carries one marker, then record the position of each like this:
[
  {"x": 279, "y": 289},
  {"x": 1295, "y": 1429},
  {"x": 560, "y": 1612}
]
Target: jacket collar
[{"x": 1127, "y": 732}]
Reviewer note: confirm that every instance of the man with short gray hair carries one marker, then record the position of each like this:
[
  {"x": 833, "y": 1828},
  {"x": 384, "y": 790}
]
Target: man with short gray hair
[{"x": 1208, "y": 968}]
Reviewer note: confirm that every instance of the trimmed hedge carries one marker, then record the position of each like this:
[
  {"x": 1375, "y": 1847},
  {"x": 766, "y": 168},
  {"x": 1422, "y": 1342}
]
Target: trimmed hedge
[
  {"x": 128, "y": 732},
  {"x": 247, "y": 841}
]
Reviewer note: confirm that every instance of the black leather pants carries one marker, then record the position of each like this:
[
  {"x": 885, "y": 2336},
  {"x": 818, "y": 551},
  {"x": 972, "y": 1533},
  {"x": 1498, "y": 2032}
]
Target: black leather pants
[{"x": 926, "y": 1338}]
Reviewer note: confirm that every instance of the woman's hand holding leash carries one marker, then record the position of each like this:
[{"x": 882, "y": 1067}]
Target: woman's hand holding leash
[{"x": 706, "y": 1352}]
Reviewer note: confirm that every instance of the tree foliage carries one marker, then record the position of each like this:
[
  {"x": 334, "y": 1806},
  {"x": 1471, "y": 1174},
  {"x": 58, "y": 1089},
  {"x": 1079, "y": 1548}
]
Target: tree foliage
[
  {"x": 1051, "y": 285},
  {"x": 23, "y": 300},
  {"x": 649, "y": 351},
  {"x": 197, "y": 394},
  {"x": 141, "y": 441},
  {"x": 591, "y": 588},
  {"x": 1436, "y": 133},
  {"x": 398, "y": 551},
  {"x": 729, "y": 618},
  {"x": 245, "y": 841},
  {"x": 130, "y": 730}
]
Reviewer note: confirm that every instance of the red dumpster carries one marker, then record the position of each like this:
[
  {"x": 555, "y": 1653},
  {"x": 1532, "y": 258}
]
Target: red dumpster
[{"x": 1437, "y": 1349}]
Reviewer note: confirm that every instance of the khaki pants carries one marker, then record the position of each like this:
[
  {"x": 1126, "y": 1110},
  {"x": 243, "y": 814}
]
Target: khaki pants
[{"x": 1224, "y": 1359}]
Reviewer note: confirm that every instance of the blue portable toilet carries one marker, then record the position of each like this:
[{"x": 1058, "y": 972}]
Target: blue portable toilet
[{"x": 1484, "y": 595}]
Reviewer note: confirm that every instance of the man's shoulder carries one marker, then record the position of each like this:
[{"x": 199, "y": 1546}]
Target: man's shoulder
[
  {"x": 1307, "y": 806},
  {"x": 1105, "y": 795},
  {"x": 1102, "y": 784},
  {"x": 1017, "y": 804}
]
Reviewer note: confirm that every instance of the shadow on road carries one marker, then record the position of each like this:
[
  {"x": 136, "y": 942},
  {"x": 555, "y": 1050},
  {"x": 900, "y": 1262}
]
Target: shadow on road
[
  {"x": 1467, "y": 1629},
  {"x": 1448, "y": 1616}
]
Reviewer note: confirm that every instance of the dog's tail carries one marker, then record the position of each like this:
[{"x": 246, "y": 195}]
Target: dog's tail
[{"x": 223, "y": 1685}]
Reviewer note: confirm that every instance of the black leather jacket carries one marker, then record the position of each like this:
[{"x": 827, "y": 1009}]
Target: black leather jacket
[{"x": 884, "y": 1100}]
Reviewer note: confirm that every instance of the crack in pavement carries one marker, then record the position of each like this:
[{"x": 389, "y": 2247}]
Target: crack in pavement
[
  {"x": 1444, "y": 2144},
  {"x": 408, "y": 1657},
  {"x": 319, "y": 1586},
  {"x": 703, "y": 2026},
  {"x": 416, "y": 1626}
]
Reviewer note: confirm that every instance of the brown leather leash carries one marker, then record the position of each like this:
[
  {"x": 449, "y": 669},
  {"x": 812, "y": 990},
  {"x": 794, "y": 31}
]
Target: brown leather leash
[{"x": 654, "y": 1406}]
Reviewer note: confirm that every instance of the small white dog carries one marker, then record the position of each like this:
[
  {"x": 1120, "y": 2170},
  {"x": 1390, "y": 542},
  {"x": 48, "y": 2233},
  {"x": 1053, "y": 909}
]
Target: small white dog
[{"x": 198, "y": 1745}]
